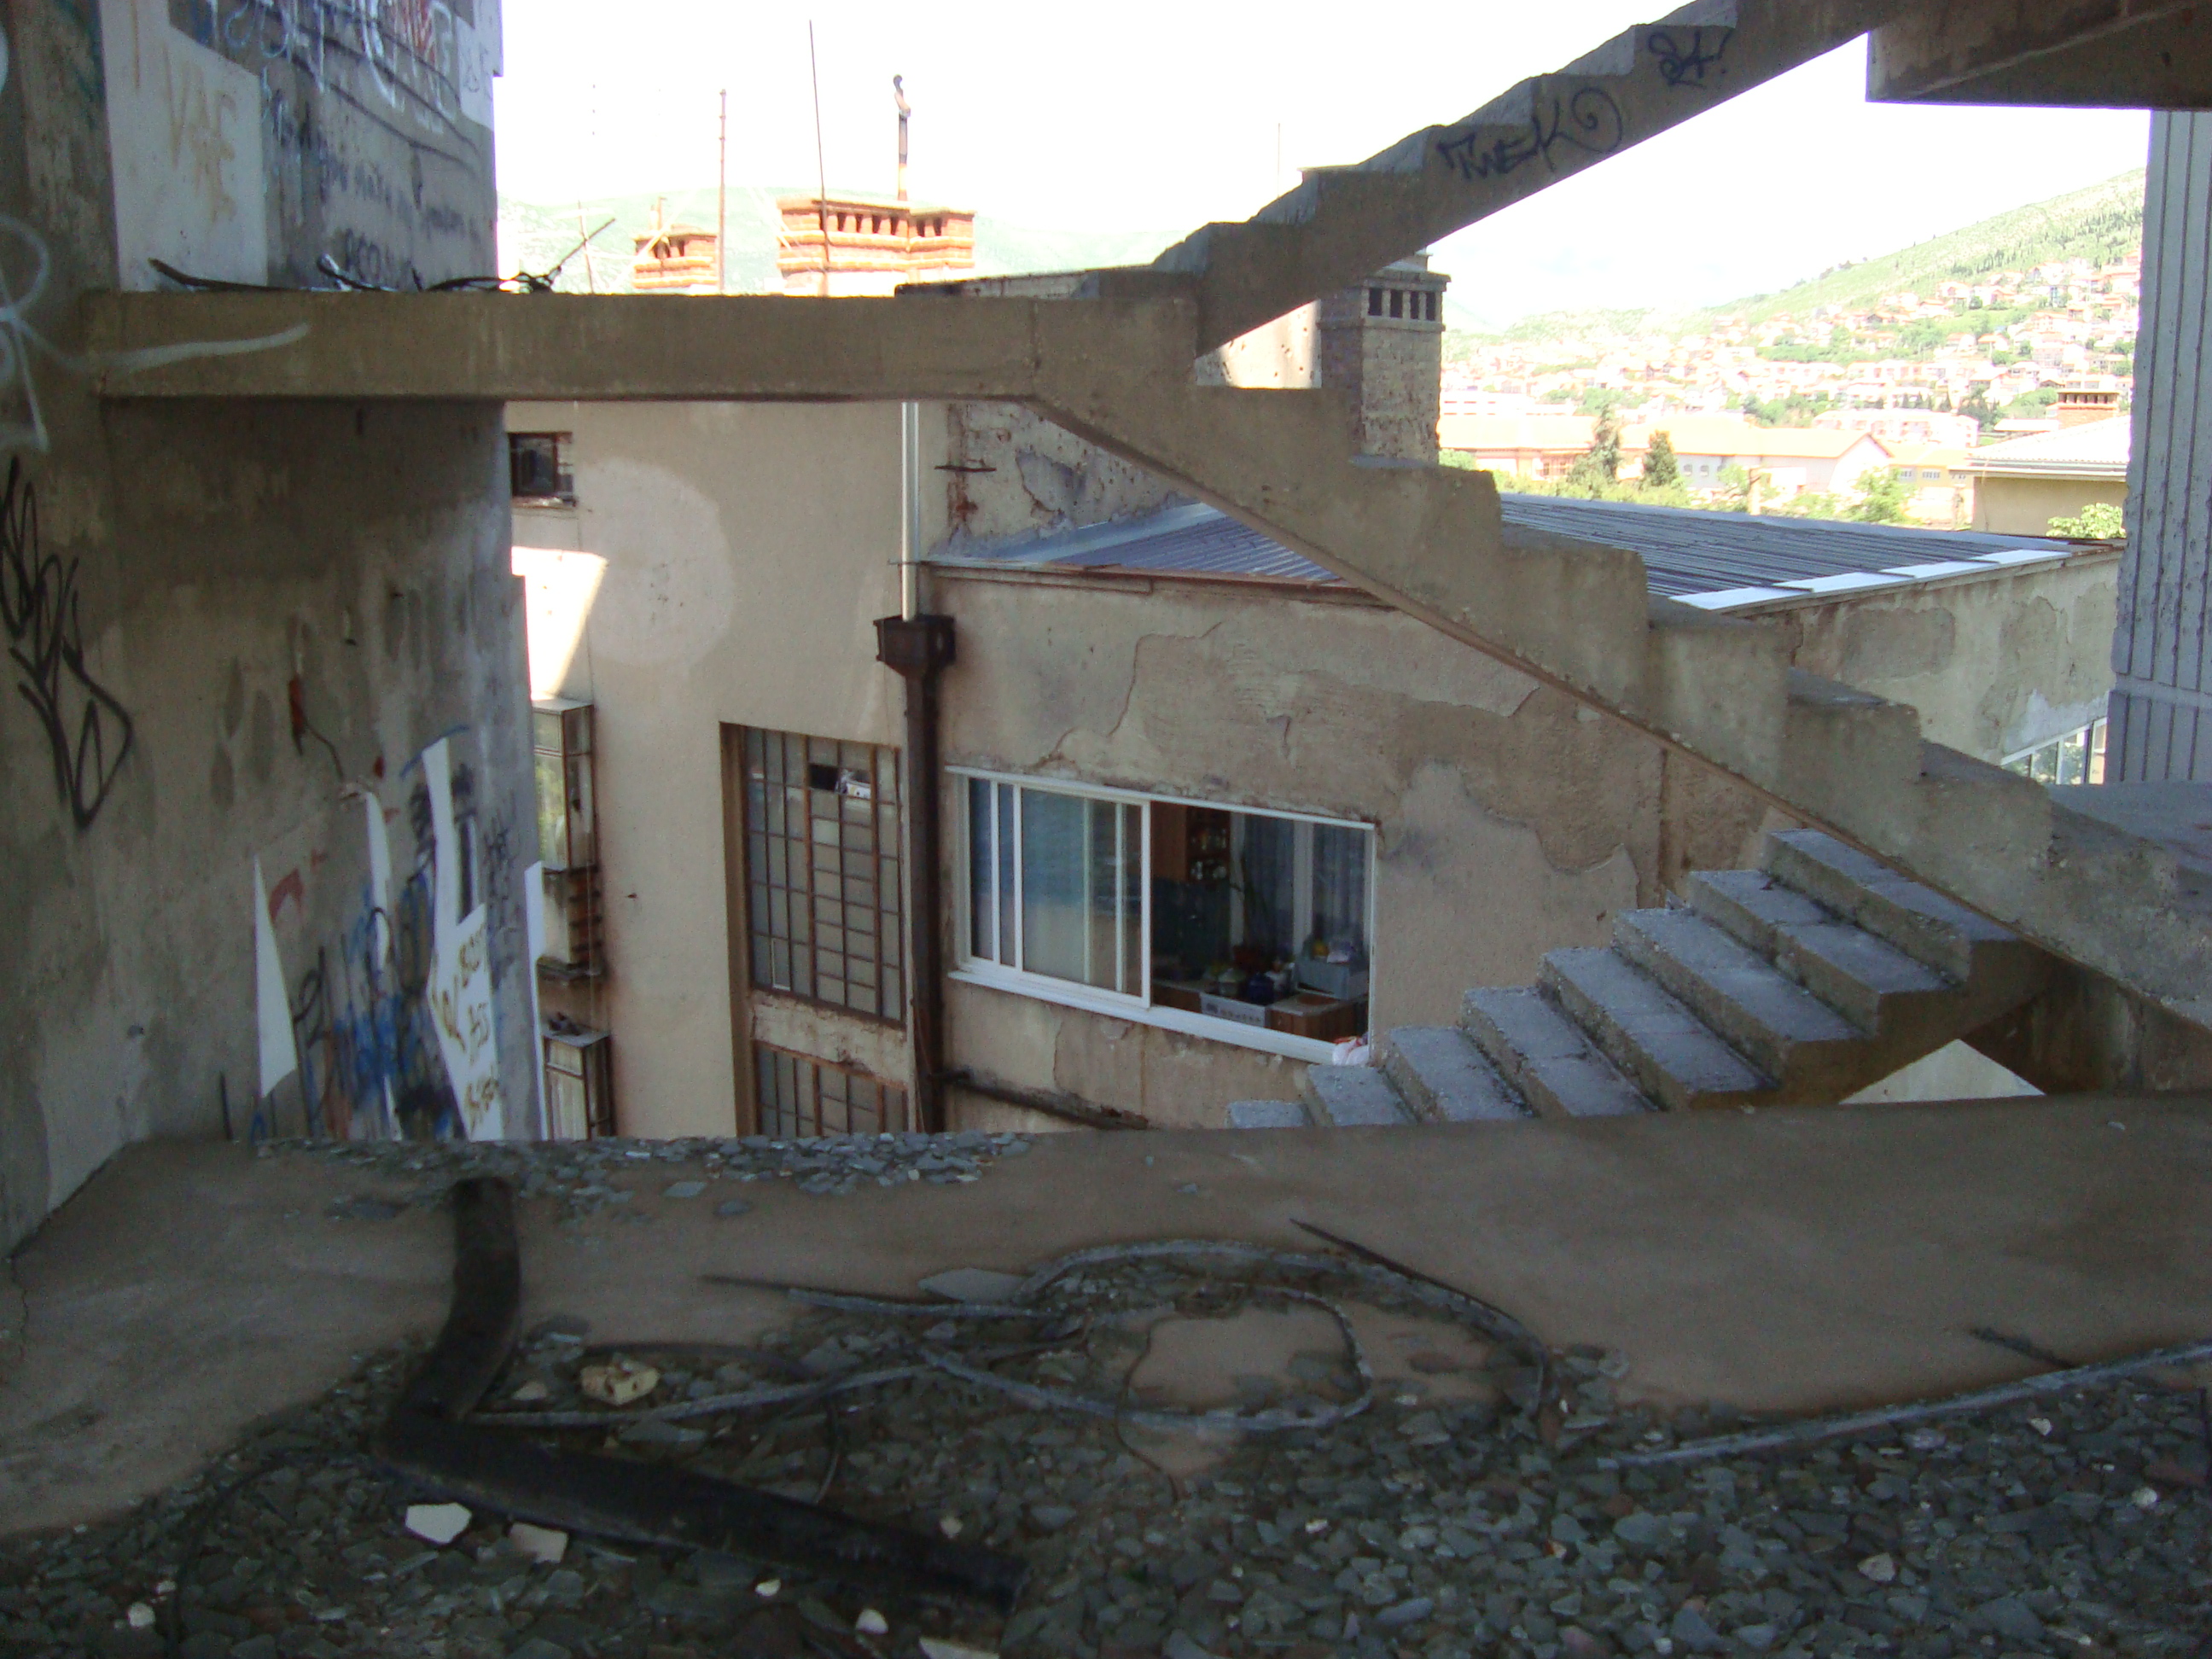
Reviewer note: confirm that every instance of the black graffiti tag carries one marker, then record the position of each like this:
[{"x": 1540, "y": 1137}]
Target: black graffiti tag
[
  {"x": 1587, "y": 119},
  {"x": 87, "y": 729},
  {"x": 1690, "y": 57}
]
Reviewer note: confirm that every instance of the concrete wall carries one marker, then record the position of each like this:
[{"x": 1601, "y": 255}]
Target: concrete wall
[
  {"x": 1994, "y": 665},
  {"x": 2026, "y": 507},
  {"x": 2161, "y": 708},
  {"x": 243, "y": 627},
  {"x": 1013, "y": 474},
  {"x": 1510, "y": 822},
  {"x": 723, "y": 565}
]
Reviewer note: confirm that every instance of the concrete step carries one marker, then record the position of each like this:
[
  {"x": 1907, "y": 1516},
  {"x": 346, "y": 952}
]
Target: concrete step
[
  {"x": 1918, "y": 920},
  {"x": 1673, "y": 1056},
  {"x": 1783, "y": 1029},
  {"x": 1866, "y": 978},
  {"x": 1444, "y": 1077},
  {"x": 1545, "y": 1057},
  {"x": 1351, "y": 1098},
  {"x": 1268, "y": 1114}
]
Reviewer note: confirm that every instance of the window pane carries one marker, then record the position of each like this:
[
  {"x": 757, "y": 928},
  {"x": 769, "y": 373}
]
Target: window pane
[
  {"x": 1052, "y": 920},
  {"x": 1104, "y": 943},
  {"x": 1133, "y": 901},
  {"x": 1266, "y": 868},
  {"x": 1002, "y": 840},
  {"x": 1340, "y": 897}
]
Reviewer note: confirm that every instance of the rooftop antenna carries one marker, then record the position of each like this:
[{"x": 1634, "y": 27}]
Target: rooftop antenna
[
  {"x": 821, "y": 167},
  {"x": 898, "y": 97}
]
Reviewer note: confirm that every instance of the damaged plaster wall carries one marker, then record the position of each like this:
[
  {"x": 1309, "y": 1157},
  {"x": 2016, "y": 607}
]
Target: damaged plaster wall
[
  {"x": 1995, "y": 665},
  {"x": 1010, "y": 474},
  {"x": 222, "y": 619},
  {"x": 1509, "y": 821},
  {"x": 723, "y": 565}
]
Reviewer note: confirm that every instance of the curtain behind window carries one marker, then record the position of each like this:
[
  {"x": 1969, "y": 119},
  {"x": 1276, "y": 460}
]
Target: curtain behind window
[
  {"x": 1340, "y": 896},
  {"x": 1267, "y": 858}
]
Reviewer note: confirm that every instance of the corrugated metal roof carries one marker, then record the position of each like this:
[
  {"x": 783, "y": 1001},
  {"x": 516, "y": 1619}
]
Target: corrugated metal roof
[
  {"x": 2095, "y": 449},
  {"x": 1692, "y": 555},
  {"x": 1191, "y": 540},
  {"x": 1716, "y": 561}
]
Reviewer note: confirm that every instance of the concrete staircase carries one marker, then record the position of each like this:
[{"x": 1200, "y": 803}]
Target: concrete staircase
[{"x": 1798, "y": 983}]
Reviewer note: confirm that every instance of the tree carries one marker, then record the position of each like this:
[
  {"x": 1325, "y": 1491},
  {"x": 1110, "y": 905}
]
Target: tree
[
  {"x": 1882, "y": 498},
  {"x": 1660, "y": 469},
  {"x": 1977, "y": 404},
  {"x": 1597, "y": 399},
  {"x": 2101, "y": 521},
  {"x": 1732, "y": 491},
  {"x": 1600, "y": 464}
]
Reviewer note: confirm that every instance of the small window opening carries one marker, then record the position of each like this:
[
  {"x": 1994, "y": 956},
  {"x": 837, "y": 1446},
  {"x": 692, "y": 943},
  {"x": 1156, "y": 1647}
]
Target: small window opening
[
  {"x": 537, "y": 467},
  {"x": 1397, "y": 302},
  {"x": 1375, "y": 303}
]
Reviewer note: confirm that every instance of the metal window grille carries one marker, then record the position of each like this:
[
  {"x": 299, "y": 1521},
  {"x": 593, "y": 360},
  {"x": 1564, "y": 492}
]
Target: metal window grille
[
  {"x": 798, "y": 1096},
  {"x": 822, "y": 872}
]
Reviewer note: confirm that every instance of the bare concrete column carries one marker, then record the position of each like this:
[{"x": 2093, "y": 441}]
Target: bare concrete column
[{"x": 2161, "y": 704}]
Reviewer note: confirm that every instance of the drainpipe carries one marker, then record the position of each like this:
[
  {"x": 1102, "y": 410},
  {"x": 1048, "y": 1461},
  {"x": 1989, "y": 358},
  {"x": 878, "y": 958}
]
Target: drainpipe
[{"x": 919, "y": 647}]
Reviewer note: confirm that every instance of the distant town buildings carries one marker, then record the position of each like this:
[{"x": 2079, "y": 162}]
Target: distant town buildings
[{"x": 1915, "y": 382}]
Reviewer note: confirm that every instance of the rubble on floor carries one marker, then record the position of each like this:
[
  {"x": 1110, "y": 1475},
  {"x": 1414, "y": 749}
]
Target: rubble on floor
[
  {"x": 591, "y": 1177},
  {"x": 1441, "y": 1521}
]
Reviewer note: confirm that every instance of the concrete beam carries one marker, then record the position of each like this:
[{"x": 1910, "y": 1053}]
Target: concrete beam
[
  {"x": 2114, "y": 54},
  {"x": 565, "y": 347}
]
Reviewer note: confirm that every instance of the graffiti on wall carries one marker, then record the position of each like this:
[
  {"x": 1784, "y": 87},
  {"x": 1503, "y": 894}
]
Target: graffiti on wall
[
  {"x": 415, "y": 54},
  {"x": 372, "y": 943},
  {"x": 88, "y": 731}
]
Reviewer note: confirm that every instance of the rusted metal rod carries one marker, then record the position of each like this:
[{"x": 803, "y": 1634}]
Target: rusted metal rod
[{"x": 429, "y": 1438}]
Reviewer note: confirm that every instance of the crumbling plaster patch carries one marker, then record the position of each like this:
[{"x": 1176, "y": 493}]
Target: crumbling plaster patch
[
  {"x": 1016, "y": 474},
  {"x": 807, "y": 1027},
  {"x": 1174, "y": 1080},
  {"x": 1466, "y": 897},
  {"x": 1993, "y": 665}
]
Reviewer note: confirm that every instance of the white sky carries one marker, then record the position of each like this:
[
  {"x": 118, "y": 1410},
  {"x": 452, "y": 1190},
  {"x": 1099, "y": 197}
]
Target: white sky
[{"x": 1148, "y": 115}]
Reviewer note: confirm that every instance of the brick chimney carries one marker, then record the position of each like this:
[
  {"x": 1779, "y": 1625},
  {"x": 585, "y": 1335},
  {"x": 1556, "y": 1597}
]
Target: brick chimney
[
  {"x": 1381, "y": 341},
  {"x": 2081, "y": 402},
  {"x": 1384, "y": 342}
]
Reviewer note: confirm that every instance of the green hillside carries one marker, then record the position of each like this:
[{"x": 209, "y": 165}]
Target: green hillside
[
  {"x": 533, "y": 234},
  {"x": 2099, "y": 224}
]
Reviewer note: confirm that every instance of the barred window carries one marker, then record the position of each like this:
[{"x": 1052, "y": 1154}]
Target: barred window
[
  {"x": 798, "y": 1095},
  {"x": 822, "y": 870}
]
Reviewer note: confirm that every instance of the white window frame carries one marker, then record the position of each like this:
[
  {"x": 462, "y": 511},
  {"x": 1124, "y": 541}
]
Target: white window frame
[{"x": 974, "y": 970}]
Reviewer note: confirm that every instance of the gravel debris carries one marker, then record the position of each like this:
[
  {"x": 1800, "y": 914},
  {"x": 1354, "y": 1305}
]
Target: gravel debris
[
  {"x": 589, "y": 1178},
  {"x": 1429, "y": 1526}
]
